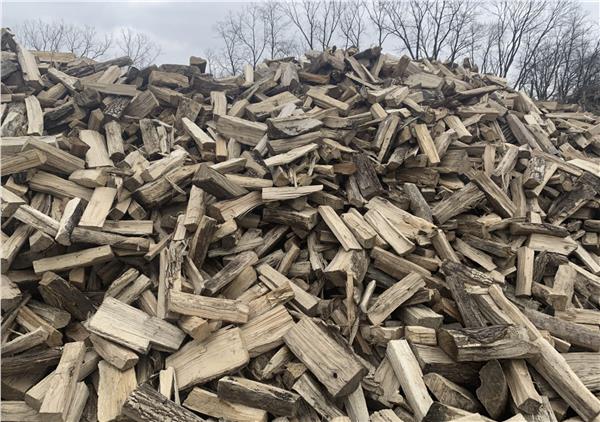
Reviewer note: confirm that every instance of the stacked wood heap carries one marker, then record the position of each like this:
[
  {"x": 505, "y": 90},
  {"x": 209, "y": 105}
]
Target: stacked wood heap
[{"x": 348, "y": 236}]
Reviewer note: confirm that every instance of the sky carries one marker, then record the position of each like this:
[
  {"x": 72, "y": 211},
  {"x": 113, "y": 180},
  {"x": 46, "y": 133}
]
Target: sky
[{"x": 181, "y": 29}]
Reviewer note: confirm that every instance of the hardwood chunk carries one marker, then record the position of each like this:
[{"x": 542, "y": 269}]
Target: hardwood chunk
[
  {"x": 393, "y": 297},
  {"x": 72, "y": 260},
  {"x": 332, "y": 363},
  {"x": 56, "y": 291},
  {"x": 200, "y": 361},
  {"x": 145, "y": 404},
  {"x": 258, "y": 395},
  {"x": 451, "y": 394},
  {"x": 339, "y": 229},
  {"x": 210, "y": 404},
  {"x": 493, "y": 391},
  {"x": 132, "y": 328},
  {"x": 118, "y": 356},
  {"x": 409, "y": 374},
  {"x": 208, "y": 307},
  {"x": 114, "y": 387},
  {"x": 63, "y": 383},
  {"x": 521, "y": 387},
  {"x": 482, "y": 344}
]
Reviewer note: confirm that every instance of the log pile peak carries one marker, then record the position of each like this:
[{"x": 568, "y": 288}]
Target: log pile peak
[{"x": 348, "y": 236}]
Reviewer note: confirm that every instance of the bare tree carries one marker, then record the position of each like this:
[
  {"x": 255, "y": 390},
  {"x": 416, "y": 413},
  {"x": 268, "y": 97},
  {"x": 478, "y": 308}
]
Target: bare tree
[
  {"x": 435, "y": 29},
  {"x": 463, "y": 29},
  {"x": 518, "y": 26},
  {"x": 86, "y": 42},
  {"x": 566, "y": 64},
  {"x": 276, "y": 22},
  {"x": 228, "y": 60},
  {"x": 378, "y": 16},
  {"x": 330, "y": 13},
  {"x": 83, "y": 41},
  {"x": 138, "y": 46},
  {"x": 41, "y": 35},
  {"x": 304, "y": 16},
  {"x": 251, "y": 34},
  {"x": 316, "y": 21},
  {"x": 353, "y": 22}
]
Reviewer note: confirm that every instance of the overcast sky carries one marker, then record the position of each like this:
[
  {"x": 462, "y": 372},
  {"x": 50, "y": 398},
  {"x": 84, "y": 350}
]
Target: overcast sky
[{"x": 181, "y": 28}]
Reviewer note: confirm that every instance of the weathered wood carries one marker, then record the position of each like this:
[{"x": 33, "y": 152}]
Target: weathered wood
[
  {"x": 200, "y": 361},
  {"x": 488, "y": 343},
  {"x": 208, "y": 307},
  {"x": 145, "y": 404},
  {"x": 63, "y": 383},
  {"x": 521, "y": 386},
  {"x": 393, "y": 297},
  {"x": 323, "y": 355},
  {"x": 133, "y": 328},
  {"x": 316, "y": 397},
  {"x": 409, "y": 374},
  {"x": 210, "y": 404},
  {"x": 230, "y": 271},
  {"x": 72, "y": 260},
  {"x": 56, "y": 291},
  {"x": 451, "y": 394},
  {"x": 401, "y": 203},
  {"x": 118, "y": 356},
  {"x": 114, "y": 387},
  {"x": 493, "y": 391},
  {"x": 258, "y": 395}
]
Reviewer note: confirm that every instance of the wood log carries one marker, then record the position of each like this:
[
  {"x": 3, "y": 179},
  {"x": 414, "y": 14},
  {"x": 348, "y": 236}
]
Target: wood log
[
  {"x": 145, "y": 404},
  {"x": 133, "y": 328},
  {"x": 63, "y": 384},
  {"x": 409, "y": 374},
  {"x": 202, "y": 360},
  {"x": 488, "y": 343},
  {"x": 329, "y": 357},
  {"x": 210, "y": 404},
  {"x": 258, "y": 395},
  {"x": 493, "y": 391}
]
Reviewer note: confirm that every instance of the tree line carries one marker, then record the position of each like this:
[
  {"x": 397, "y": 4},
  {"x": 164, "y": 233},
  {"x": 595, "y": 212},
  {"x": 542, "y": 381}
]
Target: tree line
[
  {"x": 549, "y": 48},
  {"x": 86, "y": 41}
]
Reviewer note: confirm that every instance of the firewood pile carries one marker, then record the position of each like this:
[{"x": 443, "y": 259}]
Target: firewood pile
[{"x": 348, "y": 236}]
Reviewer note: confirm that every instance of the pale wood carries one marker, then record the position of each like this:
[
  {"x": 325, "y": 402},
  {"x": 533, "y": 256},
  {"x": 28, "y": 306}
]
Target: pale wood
[
  {"x": 118, "y": 356},
  {"x": 35, "y": 118},
  {"x": 97, "y": 209},
  {"x": 132, "y": 328},
  {"x": 339, "y": 228},
  {"x": 409, "y": 374},
  {"x": 521, "y": 387},
  {"x": 69, "y": 220},
  {"x": 72, "y": 260},
  {"x": 114, "y": 386},
  {"x": 265, "y": 332},
  {"x": 200, "y": 361},
  {"x": 258, "y": 395},
  {"x": 393, "y": 297},
  {"x": 63, "y": 384},
  {"x": 323, "y": 355},
  {"x": 426, "y": 143},
  {"x": 97, "y": 155},
  {"x": 210, "y": 404},
  {"x": 208, "y": 307}
]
